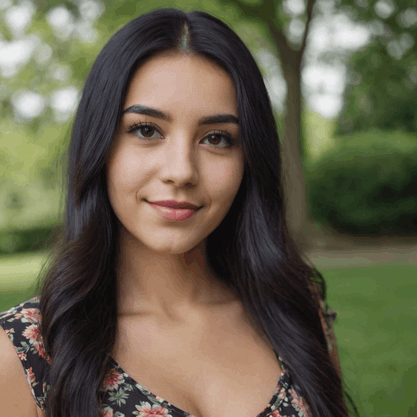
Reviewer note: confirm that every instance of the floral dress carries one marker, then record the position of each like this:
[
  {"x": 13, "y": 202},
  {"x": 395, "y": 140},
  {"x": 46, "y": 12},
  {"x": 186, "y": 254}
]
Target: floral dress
[{"x": 123, "y": 395}]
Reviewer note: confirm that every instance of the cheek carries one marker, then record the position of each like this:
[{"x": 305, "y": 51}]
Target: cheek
[
  {"x": 225, "y": 181},
  {"x": 125, "y": 172}
]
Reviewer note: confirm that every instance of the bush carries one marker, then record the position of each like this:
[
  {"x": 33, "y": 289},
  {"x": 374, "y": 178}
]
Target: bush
[
  {"x": 367, "y": 184},
  {"x": 34, "y": 239}
]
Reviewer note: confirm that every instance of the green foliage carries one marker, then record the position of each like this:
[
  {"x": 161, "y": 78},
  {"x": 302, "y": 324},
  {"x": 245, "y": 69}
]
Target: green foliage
[
  {"x": 37, "y": 238},
  {"x": 382, "y": 93},
  {"x": 30, "y": 171},
  {"x": 367, "y": 184},
  {"x": 318, "y": 135},
  {"x": 382, "y": 78}
]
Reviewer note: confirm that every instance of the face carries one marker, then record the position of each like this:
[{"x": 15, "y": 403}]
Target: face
[{"x": 170, "y": 147}]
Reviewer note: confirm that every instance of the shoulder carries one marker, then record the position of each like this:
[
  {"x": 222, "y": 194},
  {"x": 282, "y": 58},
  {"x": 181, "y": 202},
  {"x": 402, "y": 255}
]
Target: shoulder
[
  {"x": 15, "y": 394},
  {"x": 23, "y": 353}
]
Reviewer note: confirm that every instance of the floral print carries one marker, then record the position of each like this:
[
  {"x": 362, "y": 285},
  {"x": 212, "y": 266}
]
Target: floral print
[
  {"x": 299, "y": 405},
  {"x": 112, "y": 380},
  {"x": 123, "y": 396},
  {"x": 148, "y": 410}
]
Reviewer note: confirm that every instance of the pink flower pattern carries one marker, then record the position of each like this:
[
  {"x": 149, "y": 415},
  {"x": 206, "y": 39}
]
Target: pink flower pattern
[
  {"x": 9, "y": 331},
  {"x": 123, "y": 395},
  {"x": 112, "y": 380},
  {"x": 146, "y": 410},
  {"x": 31, "y": 377},
  {"x": 32, "y": 333},
  {"x": 299, "y": 404},
  {"x": 32, "y": 315}
]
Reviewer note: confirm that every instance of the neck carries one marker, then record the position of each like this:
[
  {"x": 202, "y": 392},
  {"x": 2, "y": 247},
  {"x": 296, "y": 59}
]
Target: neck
[{"x": 165, "y": 283}]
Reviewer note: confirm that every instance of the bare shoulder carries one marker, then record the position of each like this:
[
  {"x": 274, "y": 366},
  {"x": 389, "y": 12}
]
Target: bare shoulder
[{"x": 16, "y": 398}]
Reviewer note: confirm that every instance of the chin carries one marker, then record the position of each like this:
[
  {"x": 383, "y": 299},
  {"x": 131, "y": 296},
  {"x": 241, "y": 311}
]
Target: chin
[{"x": 172, "y": 248}]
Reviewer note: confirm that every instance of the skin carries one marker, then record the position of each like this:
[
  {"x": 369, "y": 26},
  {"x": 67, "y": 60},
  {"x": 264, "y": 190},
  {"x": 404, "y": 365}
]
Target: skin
[{"x": 162, "y": 266}]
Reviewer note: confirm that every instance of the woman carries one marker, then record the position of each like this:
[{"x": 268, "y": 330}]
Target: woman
[{"x": 176, "y": 289}]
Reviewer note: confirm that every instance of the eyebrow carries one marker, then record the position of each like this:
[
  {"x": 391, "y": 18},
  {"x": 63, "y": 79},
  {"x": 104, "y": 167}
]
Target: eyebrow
[{"x": 149, "y": 111}]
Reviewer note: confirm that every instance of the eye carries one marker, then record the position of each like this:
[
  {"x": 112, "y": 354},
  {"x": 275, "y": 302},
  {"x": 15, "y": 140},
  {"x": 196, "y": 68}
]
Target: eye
[
  {"x": 147, "y": 130},
  {"x": 219, "y": 139},
  {"x": 144, "y": 130}
]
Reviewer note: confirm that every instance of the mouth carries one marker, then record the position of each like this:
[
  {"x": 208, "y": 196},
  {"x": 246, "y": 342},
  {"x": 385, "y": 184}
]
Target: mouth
[
  {"x": 174, "y": 211},
  {"x": 173, "y": 204}
]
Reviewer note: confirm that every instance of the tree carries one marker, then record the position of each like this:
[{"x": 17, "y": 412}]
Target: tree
[{"x": 382, "y": 81}]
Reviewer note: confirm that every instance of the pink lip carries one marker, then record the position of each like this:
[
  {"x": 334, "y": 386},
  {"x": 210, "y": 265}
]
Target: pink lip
[
  {"x": 175, "y": 204},
  {"x": 172, "y": 213}
]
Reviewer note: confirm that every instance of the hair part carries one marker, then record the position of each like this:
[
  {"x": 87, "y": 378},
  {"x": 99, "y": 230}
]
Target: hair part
[{"x": 184, "y": 42}]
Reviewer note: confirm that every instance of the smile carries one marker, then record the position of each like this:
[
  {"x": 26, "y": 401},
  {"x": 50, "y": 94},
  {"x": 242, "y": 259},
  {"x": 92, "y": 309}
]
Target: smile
[{"x": 175, "y": 214}]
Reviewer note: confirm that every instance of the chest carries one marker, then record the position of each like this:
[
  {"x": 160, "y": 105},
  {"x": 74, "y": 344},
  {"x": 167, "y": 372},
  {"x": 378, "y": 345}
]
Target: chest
[{"x": 213, "y": 368}]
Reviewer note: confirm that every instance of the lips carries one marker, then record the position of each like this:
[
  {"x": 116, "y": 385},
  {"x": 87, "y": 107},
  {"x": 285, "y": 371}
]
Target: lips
[
  {"x": 175, "y": 204},
  {"x": 174, "y": 210}
]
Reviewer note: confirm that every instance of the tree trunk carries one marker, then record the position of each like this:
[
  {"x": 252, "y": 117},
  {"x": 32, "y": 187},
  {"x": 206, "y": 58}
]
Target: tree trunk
[
  {"x": 295, "y": 189},
  {"x": 298, "y": 217}
]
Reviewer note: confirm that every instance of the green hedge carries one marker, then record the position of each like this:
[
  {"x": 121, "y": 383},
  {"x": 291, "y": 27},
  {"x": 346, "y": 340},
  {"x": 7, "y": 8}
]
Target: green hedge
[
  {"x": 367, "y": 184},
  {"x": 30, "y": 240}
]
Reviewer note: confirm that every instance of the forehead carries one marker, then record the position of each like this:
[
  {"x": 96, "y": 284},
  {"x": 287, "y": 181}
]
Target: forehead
[{"x": 182, "y": 81}]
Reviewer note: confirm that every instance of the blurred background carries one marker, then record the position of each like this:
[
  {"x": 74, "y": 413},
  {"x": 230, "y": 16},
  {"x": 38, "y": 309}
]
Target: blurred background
[{"x": 342, "y": 78}]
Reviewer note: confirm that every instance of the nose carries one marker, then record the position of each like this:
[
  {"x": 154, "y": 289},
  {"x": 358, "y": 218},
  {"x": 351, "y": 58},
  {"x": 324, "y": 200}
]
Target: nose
[{"x": 180, "y": 163}]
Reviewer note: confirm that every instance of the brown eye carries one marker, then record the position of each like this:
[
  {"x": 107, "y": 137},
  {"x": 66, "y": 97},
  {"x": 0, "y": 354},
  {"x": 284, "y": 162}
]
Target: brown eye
[
  {"x": 214, "y": 139},
  {"x": 144, "y": 131},
  {"x": 147, "y": 131},
  {"x": 219, "y": 140}
]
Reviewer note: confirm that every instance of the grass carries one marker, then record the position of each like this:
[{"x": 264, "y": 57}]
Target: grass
[
  {"x": 376, "y": 328},
  {"x": 377, "y": 337},
  {"x": 18, "y": 273}
]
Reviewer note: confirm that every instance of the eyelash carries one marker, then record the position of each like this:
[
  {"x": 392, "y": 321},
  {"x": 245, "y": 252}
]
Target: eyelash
[{"x": 227, "y": 136}]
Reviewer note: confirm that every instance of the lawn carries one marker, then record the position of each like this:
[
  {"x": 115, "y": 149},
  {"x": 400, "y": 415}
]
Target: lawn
[
  {"x": 376, "y": 328},
  {"x": 376, "y": 331},
  {"x": 18, "y": 273}
]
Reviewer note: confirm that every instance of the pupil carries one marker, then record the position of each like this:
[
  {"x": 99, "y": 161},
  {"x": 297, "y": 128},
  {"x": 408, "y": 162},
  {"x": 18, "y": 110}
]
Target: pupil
[
  {"x": 146, "y": 130},
  {"x": 215, "y": 138}
]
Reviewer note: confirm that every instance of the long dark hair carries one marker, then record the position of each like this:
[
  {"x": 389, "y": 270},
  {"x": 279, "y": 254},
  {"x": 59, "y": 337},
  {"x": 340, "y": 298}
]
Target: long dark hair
[{"x": 250, "y": 250}]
